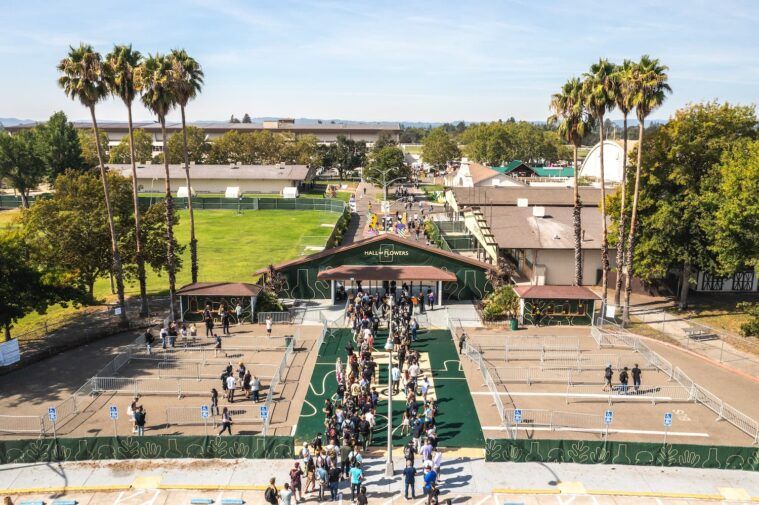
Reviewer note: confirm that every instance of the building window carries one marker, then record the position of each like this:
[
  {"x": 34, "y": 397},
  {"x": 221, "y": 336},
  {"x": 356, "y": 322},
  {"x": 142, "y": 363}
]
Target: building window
[
  {"x": 743, "y": 281},
  {"x": 712, "y": 282}
]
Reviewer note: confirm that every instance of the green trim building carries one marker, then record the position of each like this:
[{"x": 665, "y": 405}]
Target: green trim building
[
  {"x": 377, "y": 264},
  {"x": 556, "y": 305}
]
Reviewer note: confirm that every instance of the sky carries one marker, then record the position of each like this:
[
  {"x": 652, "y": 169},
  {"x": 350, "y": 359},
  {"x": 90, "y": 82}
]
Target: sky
[{"x": 383, "y": 60}]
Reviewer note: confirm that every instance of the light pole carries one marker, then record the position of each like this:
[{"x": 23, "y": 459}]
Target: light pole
[
  {"x": 389, "y": 470},
  {"x": 384, "y": 182}
]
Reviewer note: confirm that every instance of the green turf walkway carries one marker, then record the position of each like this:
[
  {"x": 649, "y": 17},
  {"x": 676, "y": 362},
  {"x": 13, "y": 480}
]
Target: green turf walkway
[{"x": 458, "y": 424}]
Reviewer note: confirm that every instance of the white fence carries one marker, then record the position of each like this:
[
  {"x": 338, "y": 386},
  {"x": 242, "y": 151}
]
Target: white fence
[
  {"x": 557, "y": 420},
  {"x": 191, "y": 416},
  {"x": 279, "y": 375},
  {"x": 22, "y": 424},
  {"x": 276, "y": 317},
  {"x": 618, "y": 393},
  {"x": 153, "y": 386}
]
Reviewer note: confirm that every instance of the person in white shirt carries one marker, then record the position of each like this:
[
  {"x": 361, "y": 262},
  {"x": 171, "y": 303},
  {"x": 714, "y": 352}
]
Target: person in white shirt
[
  {"x": 437, "y": 462},
  {"x": 231, "y": 385},
  {"x": 395, "y": 375},
  {"x": 286, "y": 495},
  {"x": 269, "y": 323},
  {"x": 238, "y": 312}
]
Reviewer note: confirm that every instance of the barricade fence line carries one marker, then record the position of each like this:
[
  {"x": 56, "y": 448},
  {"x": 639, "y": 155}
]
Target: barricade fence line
[
  {"x": 557, "y": 420},
  {"x": 191, "y": 416},
  {"x": 276, "y": 379}
]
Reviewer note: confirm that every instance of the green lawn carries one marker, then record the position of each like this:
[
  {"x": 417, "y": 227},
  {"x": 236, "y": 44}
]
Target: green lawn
[
  {"x": 231, "y": 247},
  {"x": 8, "y": 219}
]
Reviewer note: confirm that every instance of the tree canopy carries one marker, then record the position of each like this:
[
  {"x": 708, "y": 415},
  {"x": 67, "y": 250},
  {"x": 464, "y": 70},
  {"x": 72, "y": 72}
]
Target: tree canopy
[
  {"x": 143, "y": 148},
  {"x": 23, "y": 161},
  {"x": 498, "y": 143},
  {"x": 61, "y": 145},
  {"x": 438, "y": 148},
  {"x": 197, "y": 147}
]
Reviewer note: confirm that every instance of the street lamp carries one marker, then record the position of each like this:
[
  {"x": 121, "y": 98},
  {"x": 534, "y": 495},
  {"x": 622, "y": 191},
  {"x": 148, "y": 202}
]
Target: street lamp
[
  {"x": 384, "y": 182},
  {"x": 389, "y": 470}
]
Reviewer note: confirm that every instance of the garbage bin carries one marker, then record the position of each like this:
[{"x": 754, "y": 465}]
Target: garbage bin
[{"x": 513, "y": 324}]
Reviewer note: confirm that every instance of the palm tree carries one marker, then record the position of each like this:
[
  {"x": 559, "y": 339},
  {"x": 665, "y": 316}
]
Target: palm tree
[
  {"x": 188, "y": 80},
  {"x": 84, "y": 78},
  {"x": 122, "y": 62},
  {"x": 598, "y": 90},
  {"x": 651, "y": 91},
  {"x": 574, "y": 122},
  {"x": 154, "y": 78},
  {"x": 624, "y": 92}
]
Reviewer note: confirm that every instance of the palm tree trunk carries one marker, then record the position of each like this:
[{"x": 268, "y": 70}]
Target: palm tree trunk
[
  {"x": 577, "y": 215},
  {"x": 604, "y": 231},
  {"x": 630, "y": 249},
  {"x": 622, "y": 218},
  {"x": 144, "y": 310},
  {"x": 170, "y": 260},
  {"x": 116, "y": 258},
  {"x": 193, "y": 240}
]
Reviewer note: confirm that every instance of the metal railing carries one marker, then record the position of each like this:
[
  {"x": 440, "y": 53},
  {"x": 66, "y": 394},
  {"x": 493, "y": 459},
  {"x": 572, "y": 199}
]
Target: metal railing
[
  {"x": 558, "y": 420},
  {"x": 191, "y": 416},
  {"x": 152, "y": 386},
  {"x": 22, "y": 424},
  {"x": 276, "y": 317},
  {"x": 618, "y": 393},
  {"x": 278, "y": 376}
]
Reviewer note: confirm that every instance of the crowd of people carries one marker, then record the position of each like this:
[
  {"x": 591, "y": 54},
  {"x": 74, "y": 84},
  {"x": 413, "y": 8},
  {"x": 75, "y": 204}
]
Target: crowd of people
[
  {"x": 624, "y": 379},
  {"x": 350, "y": 415}
]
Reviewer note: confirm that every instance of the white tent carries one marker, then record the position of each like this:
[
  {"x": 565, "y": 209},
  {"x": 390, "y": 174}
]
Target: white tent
[{"x": 591, "y": 166}]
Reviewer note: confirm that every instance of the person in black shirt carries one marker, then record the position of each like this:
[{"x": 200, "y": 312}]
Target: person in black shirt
[
  {"x": 636, "y": 373},
  {"x": 623, "y": 378}
]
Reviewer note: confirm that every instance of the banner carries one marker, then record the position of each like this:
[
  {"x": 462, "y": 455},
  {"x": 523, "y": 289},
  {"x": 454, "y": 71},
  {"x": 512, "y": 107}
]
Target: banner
[
  {"x": 623, "y": 453},
  {"x": 94, "y": 448},
  {"x": 9, "y": 352}
]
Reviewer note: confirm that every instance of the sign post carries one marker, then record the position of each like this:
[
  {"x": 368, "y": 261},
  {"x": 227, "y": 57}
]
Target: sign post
[
  {"x": 667, "y": 424},
  {"x": 608, "y": 415},
  {"x": 52, "y": 414},
  {"x": 264, "y": 412},
  {"x": 204, "y": 413},
  {"x": 114, "y": 412},
  {"x": 517, "y": 420}
]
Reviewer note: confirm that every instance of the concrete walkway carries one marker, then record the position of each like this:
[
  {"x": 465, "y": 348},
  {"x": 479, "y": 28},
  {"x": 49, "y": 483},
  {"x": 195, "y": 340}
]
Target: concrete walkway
[
  {"x": 655, "y": 312},
  {"x": 465, "y": 480}
]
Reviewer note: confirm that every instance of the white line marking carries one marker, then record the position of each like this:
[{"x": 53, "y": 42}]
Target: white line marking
[
  {"x": 577, "y": 395},
  {"x": 483, "y": 500},
  {"x": 599, "y": 430},
  {"x": 324, "y": 384}
]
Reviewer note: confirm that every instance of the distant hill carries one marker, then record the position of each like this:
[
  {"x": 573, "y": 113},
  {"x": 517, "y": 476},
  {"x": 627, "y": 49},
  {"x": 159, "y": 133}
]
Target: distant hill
[{"x": 12, "y": 121}]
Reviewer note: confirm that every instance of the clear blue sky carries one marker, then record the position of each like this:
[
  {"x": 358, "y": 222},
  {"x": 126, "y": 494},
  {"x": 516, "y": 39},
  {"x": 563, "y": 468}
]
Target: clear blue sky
[{"x": 384, "y": 60}]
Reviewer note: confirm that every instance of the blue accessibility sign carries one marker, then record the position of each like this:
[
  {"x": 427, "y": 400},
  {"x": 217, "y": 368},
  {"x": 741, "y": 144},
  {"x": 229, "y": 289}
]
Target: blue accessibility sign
[
  {"x": 608, "y": 415},
  {"x": 264, "y": 412},
  {"x": 114, "y": 412},
  {"x": 517, "y": 415},
  {"x": 204, "y": 412},
  {"x": 52, "y": 413},
  {"x": 668, "y": 419}
]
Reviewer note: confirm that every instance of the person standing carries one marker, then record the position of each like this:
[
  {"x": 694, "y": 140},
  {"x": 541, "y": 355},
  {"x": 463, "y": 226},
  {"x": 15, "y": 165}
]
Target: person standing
[
  {"x": 422, "y": 301},
  {"x": 226, "y": 421},
  {"x": 395, "y": 374},
  {"x": 636, "y": 373},
  {"x": 362, "y": 498},
  {"x": 431, "y": 298},
  {"x": 214, "y": 401},
  {"x": 322, "y": 480},
  {"x": 217, "y": 345},
  {"x": 437, "y": 462},
  {"x": 409, "y": 479},
  {"x": 462, "y": 342},
  {"x": 224, "y": 314},
  {"x": 286, "y": 496},
  {"x": 247, "y": 384},
  {"x": 608, "y": 375},
  {"x": 414, "y": 329},
  {"x": 334, "y": 481},
  {"x": 256, "y": 387},
  {"x": 429, "y": 480},
  {"x": 139, "y": 420},
  {"x": 271, "y": 495},
  {"x": 238, "y": 313},
  {"x": 296, "y": 475},
  {"x": 149, "y": 339},
  {"x": 269, "y": 324},
  {"x": 208, "y": 319},
  {"x": 231, "y": 385}
]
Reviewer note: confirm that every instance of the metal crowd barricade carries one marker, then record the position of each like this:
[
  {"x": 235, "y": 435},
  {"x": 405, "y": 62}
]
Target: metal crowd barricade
[
  {"x": 22, "y": 424},
  {"x": 654, "y": 394},
  {"x": 558, "y": 420},
  {"x": 276, "y": 317}
]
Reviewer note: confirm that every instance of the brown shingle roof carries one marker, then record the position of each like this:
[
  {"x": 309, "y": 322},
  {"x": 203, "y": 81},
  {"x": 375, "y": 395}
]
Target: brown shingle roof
[
  {"x": 535, "y": 196},
  {"x": 246, "y": 172},
  {"x": 481, "y": 173},
  {"x": 371, "y": 240},
  {"x": 556, "y": 292}
]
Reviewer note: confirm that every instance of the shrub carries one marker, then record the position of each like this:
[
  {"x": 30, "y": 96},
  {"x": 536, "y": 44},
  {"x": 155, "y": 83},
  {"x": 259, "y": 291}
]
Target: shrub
[
  {"x": 751, "y": 327},
  {"x": 501, "y": 303}
]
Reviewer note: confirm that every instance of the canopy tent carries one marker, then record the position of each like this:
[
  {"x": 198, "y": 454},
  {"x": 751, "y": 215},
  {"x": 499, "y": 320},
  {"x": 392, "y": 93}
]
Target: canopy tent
[{"x": 194, "y": 297}]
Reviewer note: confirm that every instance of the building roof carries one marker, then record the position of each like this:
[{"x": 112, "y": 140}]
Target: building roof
[
  {"x": 215, "y": 127},
  {"x": 554, "y": 171},
  {"x": 480, "y": 172},
  {"x": 556, "y": 292},
  {"x": 517, "y": 228},
  {"x": 510, "y": 167},
  {"x": 508, "y": 196},
  {"x": 386, "y": 273},
  {"x": 379, "y": 238},
  {"x": 220, "y": 289},
  {"x": 232, "y": 172}
]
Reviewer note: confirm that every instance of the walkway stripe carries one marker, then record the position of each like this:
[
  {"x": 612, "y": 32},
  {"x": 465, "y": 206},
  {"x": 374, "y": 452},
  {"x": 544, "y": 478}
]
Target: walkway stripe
[
  {"x": 596, "y": 430},
  {"x": 574, "y": 395}
]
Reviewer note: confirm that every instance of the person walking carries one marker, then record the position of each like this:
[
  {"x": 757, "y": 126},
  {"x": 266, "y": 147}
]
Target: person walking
[
  {"x": 409, "y": 479},
  {"x": 362, "y": 498},
  {"x": 224, "y": 321},
  {"x": 246, "y": 384},
  {"x": 608, "y": 375},
  {"x": 149, "y": 339},
  {"x": 356, "y": 476},
  {"x": 322, "y": 480},
  {"x": 395, "y": 374},
  {"x": 296, "y": 476},
  {"x": 231, "y": 385},
  {"x": 208, "y": 319},
  {"x": 271, "y": 495},
  {"x": 623, "y": 379},
  {"x": 217, "y": 345},
  {"x": 636, "y": 373},
  {"x": 226, "y": 421},
  {"x": 430, "y": 477},
  {"x": 334, "y": 481},
  {"x": 437, "y": 462},
  {"x": 139, "y": 420},
  {"x": 462, "y": 342},
  {"x": 269, "y": 324},
  {"x": 255, "y": 386}
]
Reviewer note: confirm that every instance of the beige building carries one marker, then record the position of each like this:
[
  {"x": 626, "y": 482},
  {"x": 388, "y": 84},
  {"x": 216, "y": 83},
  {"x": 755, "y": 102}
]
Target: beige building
[
  {"x": 325, "y": 132},
  {"x": 267, "y": 179},
  {"x": 533, "y": 228}
]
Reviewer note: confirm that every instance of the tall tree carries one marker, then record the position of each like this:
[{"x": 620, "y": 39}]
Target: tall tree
[
  {"x": 85, "y": 78},
  {"x": 154, "y": 78},
  {"x": 23, "y": 163},
  {"x": 89, "y": 148},
  {"x": 438, "y": 148},
  {"x": 651, "y": 88},
  {"x": 63, "y": 150},
  {"x": 573, "y": 122},
  {"x": 122, "y": 62},
  {"x": 143, "y": 148},
  {"x": 386, "y": 166},
  {"x": 197, "y": 147},
  {"x": 625, "y": 90},
  {"x": 246, "y": 118},
  {"x": 187, "y": 81},
  {"x": 598, "y": 91}
]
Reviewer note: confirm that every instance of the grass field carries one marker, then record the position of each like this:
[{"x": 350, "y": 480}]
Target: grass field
[
  {"x": 458, "y": 423},
  {"x": 230, "y": 248}
]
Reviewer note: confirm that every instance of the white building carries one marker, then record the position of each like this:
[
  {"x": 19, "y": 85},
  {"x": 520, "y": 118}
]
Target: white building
[
  {"x": 264, "y": 179},
  {"x": 613, "y": 154},
  {"x": 475, "y": 175}
]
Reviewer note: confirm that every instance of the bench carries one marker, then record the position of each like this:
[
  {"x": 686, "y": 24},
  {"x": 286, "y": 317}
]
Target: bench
[{"x": 699, "y": 334}]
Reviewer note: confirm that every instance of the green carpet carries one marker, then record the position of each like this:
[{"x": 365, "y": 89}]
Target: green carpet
[{"x": 458, "y": 424}]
